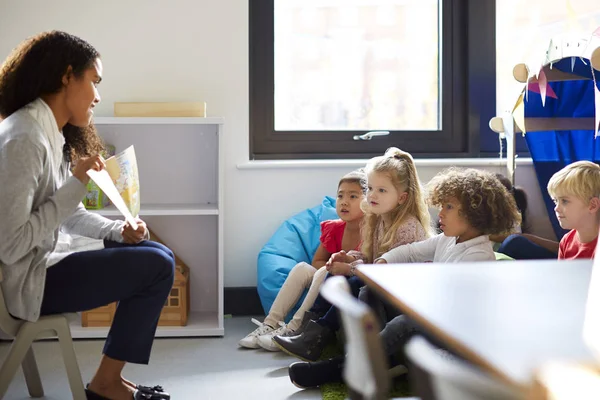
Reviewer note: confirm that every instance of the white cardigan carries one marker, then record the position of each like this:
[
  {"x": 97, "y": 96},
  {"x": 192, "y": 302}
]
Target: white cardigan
[
  {"x": 42, "y": 219},
  {"x": 444, "y": 249}
]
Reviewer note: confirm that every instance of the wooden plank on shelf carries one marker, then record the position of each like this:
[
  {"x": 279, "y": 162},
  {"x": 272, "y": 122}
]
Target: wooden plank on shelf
[
  {"x": 547, "y": 124},
  {"x": 521, "y": 74},
  {"x": 181, "y": 109},
  {"x": 200, "y": 324}
]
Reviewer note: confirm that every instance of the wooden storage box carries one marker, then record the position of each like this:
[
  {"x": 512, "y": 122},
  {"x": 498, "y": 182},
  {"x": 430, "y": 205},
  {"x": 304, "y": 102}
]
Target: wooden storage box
[{"x": 174, "y": 313}]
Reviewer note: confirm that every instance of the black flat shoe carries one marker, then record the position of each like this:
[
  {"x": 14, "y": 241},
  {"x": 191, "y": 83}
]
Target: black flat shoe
[
  {"x": 155, "y": 392},
  {"x": 141, "y": 393},
  {"x": 89, "y": 395}
]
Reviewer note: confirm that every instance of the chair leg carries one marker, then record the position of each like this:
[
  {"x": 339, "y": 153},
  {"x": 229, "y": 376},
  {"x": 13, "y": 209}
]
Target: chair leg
[
  {"x": 32, "y": 374},
  {"x": 68, "y": 352},
  {"x": 18, "y": 349}
]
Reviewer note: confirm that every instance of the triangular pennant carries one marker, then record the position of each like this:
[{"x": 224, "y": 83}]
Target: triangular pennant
[
  {"x": 597, "y": 103},
  {"x": 535, "y": 88},
  {"x": 519, "y": 114},
  {"x": 508, "y": 123},
  {"x": 573, "y": 63},
  {"x": 518, "y": 102},
  {"x": 596, "y": 32},
  {"x": 543, "y": 83}
]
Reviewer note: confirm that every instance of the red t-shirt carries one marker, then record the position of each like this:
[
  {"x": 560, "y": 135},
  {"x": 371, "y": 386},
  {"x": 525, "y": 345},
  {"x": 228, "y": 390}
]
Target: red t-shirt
[
  {"x": 332, "y": 233},
  {"x": 570, "y": 248}
]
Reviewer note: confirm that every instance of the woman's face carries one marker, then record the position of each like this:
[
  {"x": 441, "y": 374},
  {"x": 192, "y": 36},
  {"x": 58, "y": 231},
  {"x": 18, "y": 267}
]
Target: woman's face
[{"x": 82, "y": 95}]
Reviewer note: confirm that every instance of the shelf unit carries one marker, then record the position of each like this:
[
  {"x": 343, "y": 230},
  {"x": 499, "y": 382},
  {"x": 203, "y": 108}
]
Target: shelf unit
[{"x": 181, "y": 190}]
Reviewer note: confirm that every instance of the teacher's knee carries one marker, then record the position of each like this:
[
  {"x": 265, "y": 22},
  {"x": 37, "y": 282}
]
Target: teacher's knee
[{"x": 164, "y": 265}]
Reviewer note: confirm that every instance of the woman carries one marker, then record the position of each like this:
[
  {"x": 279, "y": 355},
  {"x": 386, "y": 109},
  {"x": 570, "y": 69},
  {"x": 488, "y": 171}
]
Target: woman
[{"x": 54, "y": 255}]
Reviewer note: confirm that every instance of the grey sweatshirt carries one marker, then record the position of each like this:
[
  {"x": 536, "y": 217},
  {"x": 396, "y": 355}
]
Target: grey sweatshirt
[{"x": 42, "y": 219}]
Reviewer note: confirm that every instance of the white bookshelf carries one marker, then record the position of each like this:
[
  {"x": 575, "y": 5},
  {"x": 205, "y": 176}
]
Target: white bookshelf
[
  {"x": 199, "y": 324},
  {"x": 181, "y": 192}
]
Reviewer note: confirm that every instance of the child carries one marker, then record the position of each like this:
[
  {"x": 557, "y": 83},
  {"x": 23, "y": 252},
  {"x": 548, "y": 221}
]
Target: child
[
  {"x": 521, "y": 244},
  {"x": 336, "y": 235},
  {"x": 575, "y": 190},
  {"x": 395, "y": 214},
  {"x": 466, "y": 221}
]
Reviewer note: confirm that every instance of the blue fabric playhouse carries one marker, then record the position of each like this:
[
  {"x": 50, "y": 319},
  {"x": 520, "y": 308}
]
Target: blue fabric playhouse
[
  {"x": 296, "y": 240},
  {"x": 553, "y": 150}
]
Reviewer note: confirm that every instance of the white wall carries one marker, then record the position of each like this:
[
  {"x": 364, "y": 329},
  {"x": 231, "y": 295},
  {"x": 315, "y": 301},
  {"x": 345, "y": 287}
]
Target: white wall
[{"x": 185, "y": 50}]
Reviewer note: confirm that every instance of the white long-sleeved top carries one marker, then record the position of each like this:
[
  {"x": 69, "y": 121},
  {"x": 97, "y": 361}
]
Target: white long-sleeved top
[{"x": 442, "y": 249}]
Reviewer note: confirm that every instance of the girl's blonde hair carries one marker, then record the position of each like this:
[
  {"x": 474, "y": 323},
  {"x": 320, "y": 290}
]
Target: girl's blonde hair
[{"x": 399, "y": 166}]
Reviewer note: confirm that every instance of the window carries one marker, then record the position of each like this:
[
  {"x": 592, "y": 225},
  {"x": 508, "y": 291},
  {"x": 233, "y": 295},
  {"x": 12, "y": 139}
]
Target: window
[
  {"x": 323, "y": 72},
  {"x": 531, "y": 24}
]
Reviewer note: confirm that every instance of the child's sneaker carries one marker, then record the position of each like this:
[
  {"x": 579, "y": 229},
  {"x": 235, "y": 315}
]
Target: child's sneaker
[
  {"x": 250, "y": 341},
  {"x": 266, "y": 341}
]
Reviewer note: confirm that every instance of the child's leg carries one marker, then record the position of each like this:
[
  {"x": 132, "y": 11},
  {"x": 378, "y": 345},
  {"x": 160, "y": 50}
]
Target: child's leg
[
  {"x": 299, "y": 278},
  {"x": 331, "y": 318},
  {"x": 309, "y": 300},
  {"x": 396, "y": 333}
]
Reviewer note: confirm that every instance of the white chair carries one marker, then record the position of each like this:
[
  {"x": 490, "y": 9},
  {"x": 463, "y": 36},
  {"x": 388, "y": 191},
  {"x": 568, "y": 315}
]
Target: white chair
[
  {"x": 437, "y": 376},
  {"x": 21, "y": 352},
  {"x": 366, "y": 367}
]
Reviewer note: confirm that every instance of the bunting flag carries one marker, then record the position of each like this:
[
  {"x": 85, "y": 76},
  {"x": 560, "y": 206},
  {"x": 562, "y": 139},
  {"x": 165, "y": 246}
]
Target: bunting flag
[
  {"x": 519, "y": 114},
  {"x": 573, "y": 59},
  {"x": 535, "y": 88},
  {"x": 543, "y": 84},
  {"x": 508, "y": 123}
]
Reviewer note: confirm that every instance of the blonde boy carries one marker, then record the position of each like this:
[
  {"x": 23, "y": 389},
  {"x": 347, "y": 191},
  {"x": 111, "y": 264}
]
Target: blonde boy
[{"x": 575, "y": 190}]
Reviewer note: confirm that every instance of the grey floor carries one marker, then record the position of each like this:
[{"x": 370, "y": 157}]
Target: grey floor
[{"x": 201, "y": 368}]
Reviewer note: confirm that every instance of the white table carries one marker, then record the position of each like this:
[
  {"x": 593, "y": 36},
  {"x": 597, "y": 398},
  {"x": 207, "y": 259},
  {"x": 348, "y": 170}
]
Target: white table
[{"x": 506, "y": 317}]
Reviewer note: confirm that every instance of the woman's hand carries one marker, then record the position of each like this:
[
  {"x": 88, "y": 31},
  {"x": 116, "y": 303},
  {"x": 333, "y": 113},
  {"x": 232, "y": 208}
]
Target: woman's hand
[
  {"x": 84, "y": 164},
  {"x": 339, "y": 268},
  {"x": 132, "y": 236},
  {"x": 380, "y": 261}
]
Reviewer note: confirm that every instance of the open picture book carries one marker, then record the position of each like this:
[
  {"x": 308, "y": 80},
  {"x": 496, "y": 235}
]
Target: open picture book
[{"x": 120, "y": 183}]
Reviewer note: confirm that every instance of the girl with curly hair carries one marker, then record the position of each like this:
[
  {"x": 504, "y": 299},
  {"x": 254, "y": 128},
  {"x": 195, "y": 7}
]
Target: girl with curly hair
[
  {"x": 473, "y": 204},
  {"x": 395, "y": 214},
  {"x": 55, "y": 256}
]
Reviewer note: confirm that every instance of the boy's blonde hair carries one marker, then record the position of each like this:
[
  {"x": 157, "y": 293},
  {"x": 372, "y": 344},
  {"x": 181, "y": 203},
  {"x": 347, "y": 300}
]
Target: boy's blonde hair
[
  {"x": 484, "y": 201},
  {"x": 580, "y": 179},
  {"x": 400, "y": 167}
]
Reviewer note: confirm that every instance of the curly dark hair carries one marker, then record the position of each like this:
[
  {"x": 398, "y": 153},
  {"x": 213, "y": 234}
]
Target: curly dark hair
[
  {"x": 36, "y": 68},
  {"x": 484, "y": 200},
  {"x": 520, "y": 200}
]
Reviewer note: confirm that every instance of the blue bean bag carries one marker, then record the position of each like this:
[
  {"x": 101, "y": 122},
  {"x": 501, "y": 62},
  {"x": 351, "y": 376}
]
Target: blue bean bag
[{"x": 296, "y": 240}]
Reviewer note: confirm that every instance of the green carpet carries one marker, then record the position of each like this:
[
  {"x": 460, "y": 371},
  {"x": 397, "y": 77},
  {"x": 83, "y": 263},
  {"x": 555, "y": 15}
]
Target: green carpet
[{"x": 339, "y": 391}]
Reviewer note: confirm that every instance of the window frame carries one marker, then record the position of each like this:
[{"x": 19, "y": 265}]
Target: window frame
[{"x": 468, "y": 94}]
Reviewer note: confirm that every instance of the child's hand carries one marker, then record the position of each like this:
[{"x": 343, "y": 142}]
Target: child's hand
[
  {"x": 339, "y": 268},
  {"x": 132, "y": 236},
  {"x": 340, "y": 256}
]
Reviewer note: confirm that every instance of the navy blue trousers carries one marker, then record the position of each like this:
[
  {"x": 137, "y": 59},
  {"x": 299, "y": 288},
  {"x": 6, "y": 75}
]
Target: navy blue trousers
[
  {"x": 331, "y": 319},
  {"x": 521, "y": 248},
  {"x": 139, "y": 277}
]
